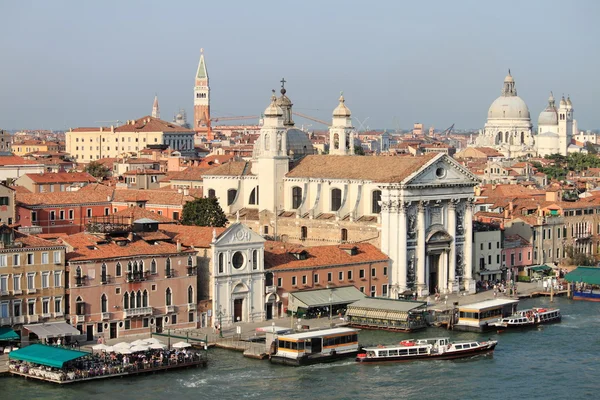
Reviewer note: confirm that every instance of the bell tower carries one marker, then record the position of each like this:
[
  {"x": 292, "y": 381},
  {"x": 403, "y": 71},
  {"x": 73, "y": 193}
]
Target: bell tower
[
  {"x": 341, "y": 132},
  {"x": 202, "y": 100}
]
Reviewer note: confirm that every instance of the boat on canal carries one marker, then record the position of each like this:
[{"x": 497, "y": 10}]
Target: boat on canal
[
  {"x": 320, "y": 346},
  {"x": 425, "y": 349},
  {"x": 528, "y": 318}
]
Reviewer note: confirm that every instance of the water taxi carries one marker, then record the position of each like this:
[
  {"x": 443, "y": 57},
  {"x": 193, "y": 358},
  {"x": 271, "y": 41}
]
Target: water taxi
[
  {"x": 477, "y": 317},
  {"x": 313, "y": 347},
  {"x": 530, "y": 317},
  {"x": 425, "y": 349}
]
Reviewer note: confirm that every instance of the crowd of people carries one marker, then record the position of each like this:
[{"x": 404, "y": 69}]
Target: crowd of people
[{"x": 102, "y": 364}]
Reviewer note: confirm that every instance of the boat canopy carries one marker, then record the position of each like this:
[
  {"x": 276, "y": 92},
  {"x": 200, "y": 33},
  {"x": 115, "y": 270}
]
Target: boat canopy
[
  {"x": 589, "y": 275},
  {"x": 49, "y": 356}
]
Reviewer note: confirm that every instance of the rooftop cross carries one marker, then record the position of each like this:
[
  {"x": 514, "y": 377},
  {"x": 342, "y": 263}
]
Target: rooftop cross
[{"x": 282, "y": 82}]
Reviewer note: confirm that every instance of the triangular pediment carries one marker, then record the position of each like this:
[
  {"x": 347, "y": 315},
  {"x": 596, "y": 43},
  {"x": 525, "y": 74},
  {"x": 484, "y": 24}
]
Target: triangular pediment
[
  {"x": 442, "y": 170},
  {"x": 238, "y": 233}
]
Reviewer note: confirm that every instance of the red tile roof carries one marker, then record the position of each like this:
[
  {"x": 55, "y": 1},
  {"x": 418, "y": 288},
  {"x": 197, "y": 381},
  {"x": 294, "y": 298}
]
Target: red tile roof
[
  {"x": 197, "y": 236},
  {"x": 277, "y": 256},
  {"x": 62, "y": 177},
  {"x": 15, "y": 160},
  {"x": 160, "y": 197},
  {"x": 55, "y": 198}
]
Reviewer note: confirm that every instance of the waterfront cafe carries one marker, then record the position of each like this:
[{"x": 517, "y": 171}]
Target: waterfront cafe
[
  {"x": 387, "y": 314},
  {"x": 537, "y": 272},
  {"x": 315, "y": 303},
  {"x": 476, "y": 316},
  {"x": 586, "y": 282},
  {"x": 8, "y": 338}
]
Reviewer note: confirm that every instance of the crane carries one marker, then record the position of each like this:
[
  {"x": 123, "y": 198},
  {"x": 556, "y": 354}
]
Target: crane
[
  {"x": 361, "y": 124},
  {"x": 217, "y": 119},
  {"x": 448, "y": 131},
  {"x": 311, "y": 118},
  {"x": 116, "y": 122}
]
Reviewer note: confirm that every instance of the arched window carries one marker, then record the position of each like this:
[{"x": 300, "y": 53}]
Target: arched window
[
  {"x": 220, "y": 263},
  {"x": 168, "y": 267},
  {"x": 269, "y": 279},
  {"x": 348, "y": 144},
  {"x": 129, "y": 266},
  {"x": 103, "y": 277},
  {"x": 336, "y": 141},
  {"x": 141, "y": 265},
  {"x": 253, "y": 196},
  {"x": 118, "y": 269},
  {"x": 132, "y": 300},
  {"x": 190, "y": 295},
  {"x": 168, "y": 297},
  {"x": 126, "y": 301},
  {"x": 296, "y": 197},
  {"x": 231, "y": 194},
  {"x": 267, "y": 144},
  {"x": 254, "y": 259},
  {"x": 104, "y": 303},
  {"x": 211, "y": 193},
  {"x": 138, "y": 299},
  {"x": 190, "y": 261},
  {"x": 153, "y": 266},
  {"x": 376, "y": 202},
  {"x": 303, "y": 232},
  {"x": 145, "y": 298},
  {"x": 336, "y": 199},
  {"x": 344, "y": 235},
  {"x": 522, "y": 137},
  {"x": 78, "y": 272}
]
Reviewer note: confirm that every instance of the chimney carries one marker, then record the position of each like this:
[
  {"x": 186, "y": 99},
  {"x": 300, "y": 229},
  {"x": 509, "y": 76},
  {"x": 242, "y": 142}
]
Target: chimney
[
  {"x": 130, "y": 237},
  {"x": 186, "y": 192},
  {"x": 178, "y": 246}
]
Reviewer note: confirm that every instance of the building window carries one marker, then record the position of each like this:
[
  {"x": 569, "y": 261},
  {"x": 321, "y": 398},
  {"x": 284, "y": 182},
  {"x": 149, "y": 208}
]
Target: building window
[
  {"x": 373, "y": 272},
  {"x": 71, "y": 214},
  {"x": 253, "y": 196},
  {"x": 303, "y": 232},
  {"x": 57, "y": 279},
  {"x": 191, "y": 317},
  {"x": 349, "y": 275},
  {"x": 104, "y": 303},
  {"x": 254, "y": 259},
  {"x": 61, "y": 214},
  {"x": 279, "y": 282},
  {"x": 31, "y": 280},
  {"x": 384, "y": 290},
  {"x": 153, "y": 267},
  {"x": 316, "y": 278},
  {"x": 34, "y": 216},
  {"x": 190, "y": 295},
  {"x": 231, "y": 195},
  {"x": 52, "y": 215},
  {"x": 16, "y": 260},
  {"x": 45, "y": 280},
  {"x": 30, "y": 259},
  {"x": 168, "y": 297},
  {"x": 16, "y": 283},
  {"x": 211, "y": 193},
  {"x": 118, "y": 269},
  {"x": 361, "y": 274},
  {"x": 336, "y": 199},
  {"x": 329, "y": 277},
  {"x": 220, "y": 263},
  {"x": 57, "y": 257},
  {"x": 125, "y": 301},
  {"x": 373, "y": 291},
  {"x": 341, "y": 275},
  {"x": 294, "y": 281},
  {"x": 376, "y": 202},
  {"x": 304, "y": 280},
  {"x": 45, "y": 258},
  {"x": 106, "y": 211},
  {"x": 4, "y": 260},
  {"x": 296, "y": 197},
  {"x": 344, "y": 235},
  {"x": 45, "y": 306}
]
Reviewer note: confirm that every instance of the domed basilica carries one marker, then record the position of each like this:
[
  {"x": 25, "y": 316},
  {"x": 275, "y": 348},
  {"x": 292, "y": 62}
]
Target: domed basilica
[{"x": 509, "y": 129}]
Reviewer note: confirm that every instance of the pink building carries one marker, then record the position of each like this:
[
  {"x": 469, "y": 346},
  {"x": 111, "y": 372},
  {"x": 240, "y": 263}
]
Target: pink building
[
  {"x": 121, "y": 286},
  {"x": 516, "y": 253}
]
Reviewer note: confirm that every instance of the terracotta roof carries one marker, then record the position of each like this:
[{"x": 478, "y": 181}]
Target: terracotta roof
[
  {"x": 15, "y": 160},
  {"x": 91, "y": 129},
  {"x": 20, "y": 189},
  {"x": 32, "y": 241},
  {"x": 232, "y": 168},
  {"x": 190, "y": 174},
  {"x": 150, "y": 124},
  {"x": 197, "y": 236},
  {"x": 144, "y": 172},
  {"x": 62, "y": 177},
  {"x": 55, "y": 198},
  {"x": 87, "y": 246},
  {"x": 277, "y": 256},
  {"x": 136, "y": 213},
  {"x": 151, "y": 197},
  {"x": 376, "y": 168}
]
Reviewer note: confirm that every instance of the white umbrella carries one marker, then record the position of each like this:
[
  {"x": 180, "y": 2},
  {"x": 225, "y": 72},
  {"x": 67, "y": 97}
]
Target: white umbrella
[
  {"x": 181, "y": 345},
  {"x": 138, "y": 342},
  {"x": 109, "y": 349},
  {"x": 138, "y": 348},
  {"x": 122, "y": 345},
  {"x": 124, "y": 351},
  {"x": 153, "y": 340},
  {"x": 99, "y": 347},
  {"x": 157, "y": 346}
]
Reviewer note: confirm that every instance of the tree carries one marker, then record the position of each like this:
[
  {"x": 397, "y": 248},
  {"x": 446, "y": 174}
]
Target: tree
[
  {"x": 359, "y": 151},
  {"x": 204, "y": 212},
  {"x": 97, "y": 170}
]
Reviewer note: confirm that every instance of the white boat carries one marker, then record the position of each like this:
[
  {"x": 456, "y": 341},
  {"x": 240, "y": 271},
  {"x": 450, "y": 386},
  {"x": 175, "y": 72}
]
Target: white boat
[
  {"x": 313, "y": 347},
  {"x": 530, "y": 317},
  {"x": 425, "y": 349}
]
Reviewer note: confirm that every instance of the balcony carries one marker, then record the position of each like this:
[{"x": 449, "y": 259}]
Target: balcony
[
  {"x": 137, "y": 312},
  {"x": 136, "y": 276},
  {"x": 46, "y": 315},
  {"x": 31, "y": 291},
  {"x": 19, "y": 320},
  {"x": 192, "y": 306},
  {"x": 80, "y": 318},
  {"x": 4, "y": 293},
  {"x": 5, "y": 321},
  {"x": 79, "y": 280},
  {"x": 170, "y": 309},
  {"x": 105, "y": 316},
  {"x": 191, "y": 271},
  {"x": 270, "y": 289},
  {"x": 169, "y": 273},
  {"x": 58, "y": 314},
  {"x": 17, "y": 292},
  {"x": 33, "y": 319}
]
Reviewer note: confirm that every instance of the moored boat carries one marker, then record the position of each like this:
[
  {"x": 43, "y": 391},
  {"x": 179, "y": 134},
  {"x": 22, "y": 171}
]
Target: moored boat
[
  {"x": 313, "y": 347},
  {"x": 530, "y": 317},
  {"x": 425, "y": 349}
]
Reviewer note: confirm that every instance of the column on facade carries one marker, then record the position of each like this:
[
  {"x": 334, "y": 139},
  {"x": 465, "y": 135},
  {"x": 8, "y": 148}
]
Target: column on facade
[
  {"x": 402, "y": 239},
  {"x": 468, "y": 247},
  {"x": 452, "y": 251},
  {"x": 421, "y": 249}
]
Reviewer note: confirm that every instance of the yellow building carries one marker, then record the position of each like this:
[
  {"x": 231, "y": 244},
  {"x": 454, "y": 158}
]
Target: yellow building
[
  {"x": 91, "y": 144},
  {"x": 34, "y": 146}
]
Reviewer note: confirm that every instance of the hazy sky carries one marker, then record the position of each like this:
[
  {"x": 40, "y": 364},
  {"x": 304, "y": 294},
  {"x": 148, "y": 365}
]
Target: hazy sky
[{"x": 71, "y": 63}]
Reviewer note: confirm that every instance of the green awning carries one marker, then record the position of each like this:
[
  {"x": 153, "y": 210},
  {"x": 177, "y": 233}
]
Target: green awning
[
  {"x": 8, "y": 334},
  {"x": 46, "y": 355},
  {"x": 540, "y": 268},
  {"x": 589, "y": 275}
]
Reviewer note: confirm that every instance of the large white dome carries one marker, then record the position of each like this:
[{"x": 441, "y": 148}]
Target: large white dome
[{"x": 508, "y": 107}]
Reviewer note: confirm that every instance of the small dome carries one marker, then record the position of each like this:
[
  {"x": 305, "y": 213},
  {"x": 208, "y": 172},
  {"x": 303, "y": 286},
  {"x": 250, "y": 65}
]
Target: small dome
[
  {"x": 508, "y": 107},
  {"x": 341, "y": 110},
  {"x": 509, "y": 77},
  {"x": 563, "y": 103},
  {"x": 298, "y": 143},
  {"x": 549, "y": 116},
  {"x": 273, "y": 110},
  {"x": 569, "y": 104}
]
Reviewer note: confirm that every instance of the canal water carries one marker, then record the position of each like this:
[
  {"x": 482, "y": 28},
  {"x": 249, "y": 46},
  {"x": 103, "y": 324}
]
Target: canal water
[{"x": 556, "y": 361}]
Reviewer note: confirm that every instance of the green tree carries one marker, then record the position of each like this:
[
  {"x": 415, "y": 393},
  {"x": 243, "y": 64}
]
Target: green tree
[
  {"x": 204, "y": 212},
  {"x": 97, "y": 170},
  {"x": 359, "y": 151}
]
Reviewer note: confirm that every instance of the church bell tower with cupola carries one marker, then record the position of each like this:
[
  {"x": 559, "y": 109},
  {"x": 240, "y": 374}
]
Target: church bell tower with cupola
[
  {"x": 202, "y": 101},
  {"x": 341, "y": 132}
]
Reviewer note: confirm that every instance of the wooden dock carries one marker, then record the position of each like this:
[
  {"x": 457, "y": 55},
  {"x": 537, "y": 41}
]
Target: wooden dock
[
  {"x": 540, "y": 293},
  {"x": 250, "y": 349}
]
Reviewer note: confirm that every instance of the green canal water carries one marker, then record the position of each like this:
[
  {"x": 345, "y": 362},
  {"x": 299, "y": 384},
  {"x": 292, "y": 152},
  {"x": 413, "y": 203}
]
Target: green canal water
[{"x": 557, "y": 361}]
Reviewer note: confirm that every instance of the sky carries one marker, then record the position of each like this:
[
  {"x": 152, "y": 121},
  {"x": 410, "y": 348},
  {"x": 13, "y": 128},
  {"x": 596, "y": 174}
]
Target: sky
[{"x": 73, "y": 63}]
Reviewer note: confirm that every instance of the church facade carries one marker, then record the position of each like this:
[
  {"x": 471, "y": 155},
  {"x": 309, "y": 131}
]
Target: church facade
[{"x": 415, "y": 209}]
